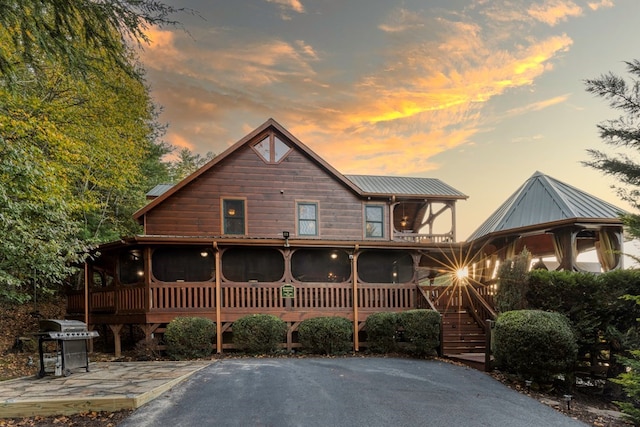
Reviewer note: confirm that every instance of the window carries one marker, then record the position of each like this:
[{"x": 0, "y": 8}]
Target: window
[
  {"x": 385, "y": 267},
  {"x": 233, "y": 216},
  {"x": 307, "y": 219},
  {"x": 320, "y": 265},
  {"x": 188, "y": 264},
  {"x": 271, "y": 149},
  {"x": 131, "y": 267},
  {"x": 374, "y": 216},
  {"x": 249, "y": 264}
]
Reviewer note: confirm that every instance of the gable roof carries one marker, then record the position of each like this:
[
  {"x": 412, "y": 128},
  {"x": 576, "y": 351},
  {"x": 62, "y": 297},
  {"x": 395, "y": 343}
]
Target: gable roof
[
  {"x": 542, "y": 199},
  {"x": 360, "y": 185},
  {"x": 404, "y": 186},
  {"x": 269, "y": 124}
]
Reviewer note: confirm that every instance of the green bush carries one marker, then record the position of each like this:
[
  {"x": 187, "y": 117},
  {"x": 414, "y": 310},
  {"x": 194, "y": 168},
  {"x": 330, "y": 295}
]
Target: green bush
[
  {"x": 513, "y": 283},
  {"x": 328, "y": 335},
  {"x": 535, "y": 345},
  {"x": 630, "y": 382},
  {"x": 596, "y": 308},
  {"x": 259, "y": 333},
  {"x": 189, "y": 338},
  {"x": 382, "y": 331},
  {"x": 421, "y": 331}
]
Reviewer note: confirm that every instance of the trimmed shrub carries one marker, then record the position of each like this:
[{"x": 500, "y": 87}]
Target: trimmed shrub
[
  {"x": 421, "y": 331},
  {"x": 189, "y": 338},
  {"x": 381, "y": 332},
  {"x": 534, "y": 344},
  {"x": 328, "y": 335},
  {"x": 259, "y": 333}
]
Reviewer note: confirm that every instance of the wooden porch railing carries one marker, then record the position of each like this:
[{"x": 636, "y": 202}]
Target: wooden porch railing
[
  {"x": 250, "y": 297},
  {"x": 422, "y": 238}
]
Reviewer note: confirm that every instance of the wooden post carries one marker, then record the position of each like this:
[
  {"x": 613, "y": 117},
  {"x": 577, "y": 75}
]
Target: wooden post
[
  {"x": 86, "y": 293},
  {"x": 487, "y": 350},
  {"x": 116, "y": 339},
  {"x": 354, "y": 272},
  {"x": 218, "y": 301}
]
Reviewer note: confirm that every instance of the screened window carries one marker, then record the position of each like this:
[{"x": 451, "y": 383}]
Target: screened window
[
  {"x": 374, "y": 217},
  {"x": 188, "y": 264},
  {"x": 320, "y": 265},
  {"x": 234, "y": 216},
  {"x": 385, "y": 267},
  {"x": 131, "y": 267},
  {"x": 307, "y": 219},
  {"x": 248, "y": 264}
]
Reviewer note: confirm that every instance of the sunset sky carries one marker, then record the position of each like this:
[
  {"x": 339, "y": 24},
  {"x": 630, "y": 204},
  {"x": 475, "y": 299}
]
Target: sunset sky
[{"x": 478, "y": 93}]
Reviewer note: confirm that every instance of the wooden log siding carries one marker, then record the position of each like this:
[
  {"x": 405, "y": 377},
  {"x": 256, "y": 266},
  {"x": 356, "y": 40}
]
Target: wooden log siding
[{"x": 271, "y": 193}]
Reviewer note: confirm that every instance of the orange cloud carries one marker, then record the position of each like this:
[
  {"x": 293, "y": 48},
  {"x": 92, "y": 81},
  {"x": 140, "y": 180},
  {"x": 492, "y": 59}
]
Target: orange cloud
[
  {"x": 425, "y": 96},
  {"x": 553, "y": 11},
  {"x": 602, "y": 3}
]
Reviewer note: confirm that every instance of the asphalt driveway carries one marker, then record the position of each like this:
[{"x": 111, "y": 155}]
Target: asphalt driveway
[{"x": 343, "y": 392}]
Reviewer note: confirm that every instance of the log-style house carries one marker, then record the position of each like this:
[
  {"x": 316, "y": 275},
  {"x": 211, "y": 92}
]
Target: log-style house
[{"x": 269, "y": 227}]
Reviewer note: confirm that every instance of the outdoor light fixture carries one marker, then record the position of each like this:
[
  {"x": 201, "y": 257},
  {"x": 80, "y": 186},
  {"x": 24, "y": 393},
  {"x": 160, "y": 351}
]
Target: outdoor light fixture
[
  {"x": 462, "y": 273},
  {"x": 285, "y": 234},
  {"x": 403, "y": 223},
  {"x": 204, "y": 254},
  {"x": 567, "y": 398}
]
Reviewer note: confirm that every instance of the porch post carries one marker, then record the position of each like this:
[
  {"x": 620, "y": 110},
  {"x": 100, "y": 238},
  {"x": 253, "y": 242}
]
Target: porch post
[
  {"x": 86, "y": 293},
  {"x": 354, "y": 270},
  {"x": 218, "y": 301}
]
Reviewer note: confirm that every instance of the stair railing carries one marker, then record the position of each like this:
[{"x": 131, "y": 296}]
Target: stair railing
[
  {"x": 485, "y": 316},
  {"x": 479, "y": 307}
]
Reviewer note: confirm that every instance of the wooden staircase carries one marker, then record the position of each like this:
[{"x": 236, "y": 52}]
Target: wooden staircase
[
  {"x": 461, "y": 333},
  {"x": 463, "y": 340},
  {"x": 462, "y": 308}
]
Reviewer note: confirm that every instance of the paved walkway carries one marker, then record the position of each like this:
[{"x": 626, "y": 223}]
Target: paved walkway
[{"x": 107, "y": 387}]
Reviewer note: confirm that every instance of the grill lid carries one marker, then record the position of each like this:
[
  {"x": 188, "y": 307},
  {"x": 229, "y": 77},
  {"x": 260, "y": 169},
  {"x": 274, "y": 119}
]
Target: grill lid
[{"x": 62, "y": 325}]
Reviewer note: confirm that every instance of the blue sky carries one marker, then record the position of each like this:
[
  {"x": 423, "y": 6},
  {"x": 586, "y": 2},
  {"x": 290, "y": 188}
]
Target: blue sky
[{"x": 478, "y": 93}]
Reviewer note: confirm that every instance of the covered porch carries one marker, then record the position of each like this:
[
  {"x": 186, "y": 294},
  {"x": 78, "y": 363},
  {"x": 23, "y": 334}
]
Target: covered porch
[{"x": 148, "y": 281}]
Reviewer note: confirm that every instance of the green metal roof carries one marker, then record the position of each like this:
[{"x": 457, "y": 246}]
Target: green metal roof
[
  {"x": 542, "y": 199},
  {"x": 404, "y": 186}
]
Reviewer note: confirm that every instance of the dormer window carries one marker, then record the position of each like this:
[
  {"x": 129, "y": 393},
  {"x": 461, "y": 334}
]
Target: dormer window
[{"x": 272, "y": 149}]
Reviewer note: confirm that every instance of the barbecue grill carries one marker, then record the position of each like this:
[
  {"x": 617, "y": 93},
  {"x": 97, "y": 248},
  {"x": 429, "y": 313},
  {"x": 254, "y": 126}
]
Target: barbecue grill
[{"x": 62, "y": 345}]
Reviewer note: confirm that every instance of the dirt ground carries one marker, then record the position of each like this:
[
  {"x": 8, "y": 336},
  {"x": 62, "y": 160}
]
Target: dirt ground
[{"x": 22, "y": 321}]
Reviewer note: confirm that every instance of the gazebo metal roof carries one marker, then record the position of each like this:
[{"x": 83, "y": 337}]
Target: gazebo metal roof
[{"x": 542, "y": 199}]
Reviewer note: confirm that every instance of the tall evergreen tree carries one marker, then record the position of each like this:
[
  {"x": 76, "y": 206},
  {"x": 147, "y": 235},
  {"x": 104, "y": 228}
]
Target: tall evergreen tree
[{"x": 623, "y": 134}]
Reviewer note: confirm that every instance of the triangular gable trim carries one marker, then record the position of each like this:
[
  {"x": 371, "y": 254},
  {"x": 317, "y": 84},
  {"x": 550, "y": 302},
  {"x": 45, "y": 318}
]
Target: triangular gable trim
[{"x": 271, "y": 123}]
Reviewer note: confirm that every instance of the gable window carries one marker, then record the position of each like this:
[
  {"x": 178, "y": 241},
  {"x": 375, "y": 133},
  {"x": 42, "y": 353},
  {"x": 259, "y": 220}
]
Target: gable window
[
  {"x": 374, "y": 217},
  {"x": 272, "y": 149},
  {"x": 233, "y": 214},
  {"x": 307, "y": 219}
]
